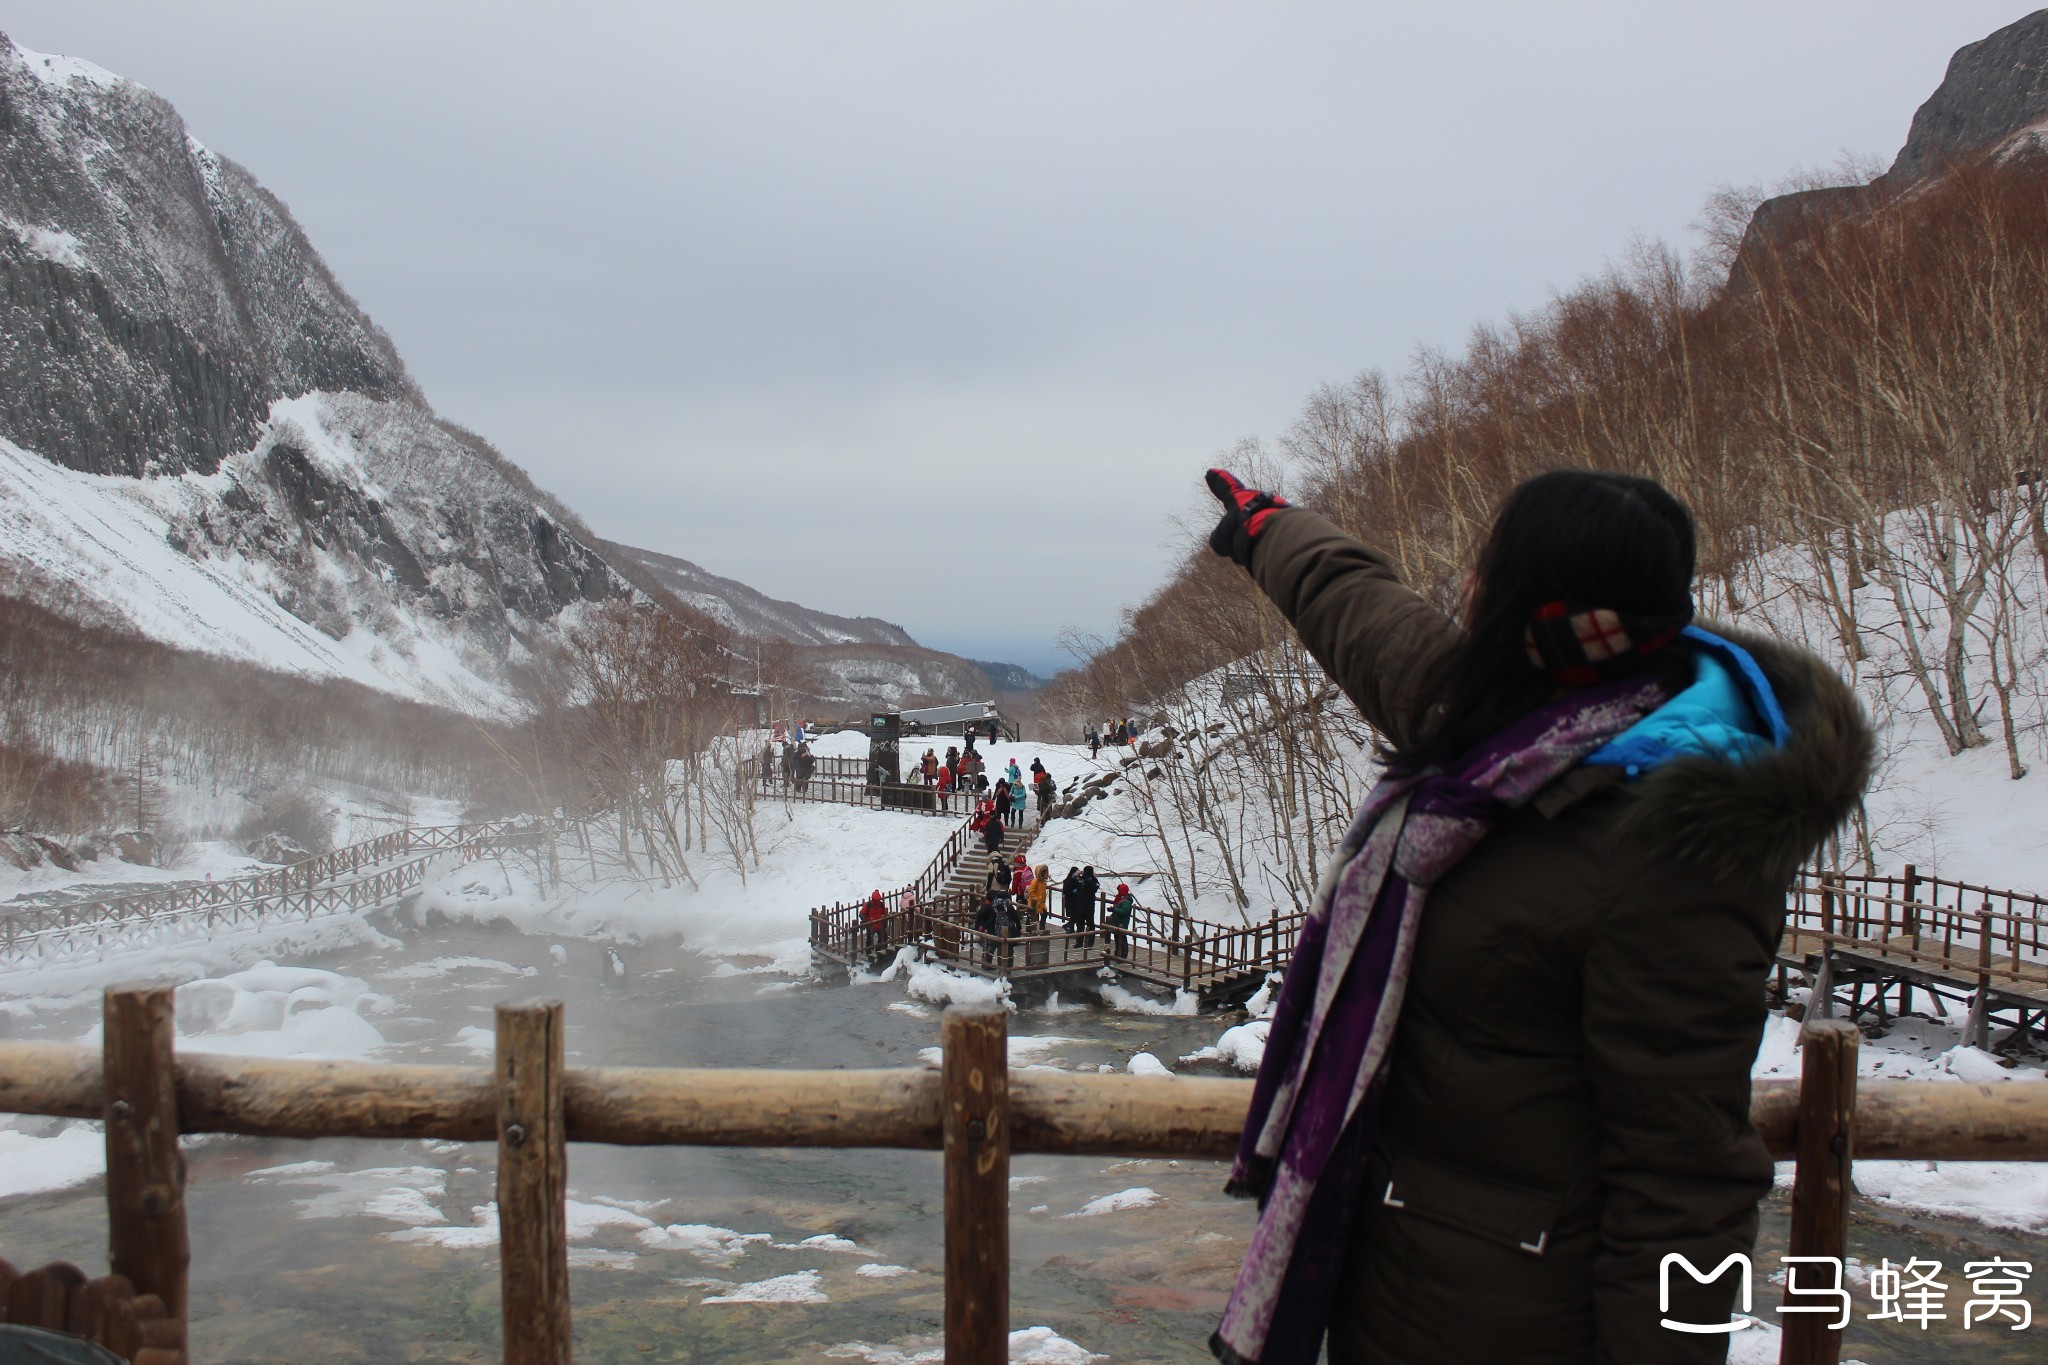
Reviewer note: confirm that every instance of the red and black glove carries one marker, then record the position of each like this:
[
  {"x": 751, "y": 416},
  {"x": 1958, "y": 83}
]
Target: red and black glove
[{"x": 1245, "y": 514}]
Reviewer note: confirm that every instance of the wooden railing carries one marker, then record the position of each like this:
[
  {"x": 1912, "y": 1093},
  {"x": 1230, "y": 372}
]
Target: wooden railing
[
  {"x": 318, "y": 886},
  {"x": 908, "y": 796},
  {"x": 1157, "y": 944},
  {"x": 1957, "y": 938},
  {"x": 974, "y": 1109},
  {"x": 923, "y": 889},
  {"x": 1958, "y": 926}
]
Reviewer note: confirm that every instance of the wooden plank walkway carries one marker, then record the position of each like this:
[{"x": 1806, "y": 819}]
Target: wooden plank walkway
[
  {"x": 356, "y": 877},
  {"x": 1877, "y": 937},
  {"x": 1159, "y": 948}
]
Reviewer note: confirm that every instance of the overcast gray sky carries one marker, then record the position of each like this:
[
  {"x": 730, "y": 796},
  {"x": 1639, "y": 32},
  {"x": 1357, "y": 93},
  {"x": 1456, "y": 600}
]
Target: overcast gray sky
[{"x": 936, "y": 311}]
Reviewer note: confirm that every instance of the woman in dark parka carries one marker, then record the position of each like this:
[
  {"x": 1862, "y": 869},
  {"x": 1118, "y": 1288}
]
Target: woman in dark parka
[{"x": 1549, "y": 1051}]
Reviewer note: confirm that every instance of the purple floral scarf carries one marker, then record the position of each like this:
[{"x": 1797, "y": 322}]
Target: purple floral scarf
[{"x": 1316, "y": 1102}]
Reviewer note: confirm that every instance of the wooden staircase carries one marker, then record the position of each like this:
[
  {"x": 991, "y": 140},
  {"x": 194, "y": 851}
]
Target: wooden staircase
[{"x": 971, "y": 872}]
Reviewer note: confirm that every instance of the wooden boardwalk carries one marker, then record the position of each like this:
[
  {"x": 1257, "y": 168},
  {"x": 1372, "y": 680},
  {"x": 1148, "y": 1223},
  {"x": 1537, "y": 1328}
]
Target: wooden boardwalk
[
  {"x": 359, "y": 876},
  {"x": 1872, "y": 945},
  {"x": 1159, "y": 948}
]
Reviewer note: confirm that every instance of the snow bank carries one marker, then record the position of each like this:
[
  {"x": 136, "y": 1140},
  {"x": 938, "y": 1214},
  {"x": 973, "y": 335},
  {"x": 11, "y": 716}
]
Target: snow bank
[
  {"x": 33, "y": 1165},
  {"x": 1242, "y": 1046},
  {"x": 1027, "y": 1048},
  {"x": 811, "y": 854},
  {"x": 2011, "y": 1194},
  {"x": 1043, "y": 1346},
  {"x": 481, "y": 1232},
  {"x": 1183, "y": 1005},
  {"x": 175, "y": 959},
  {"x": 398, "y": 1194},
  {"x": 273, "y": 1011},
  {"x": 1145, "y": 1064},
  {"x": 944, "y": 986},
  {"x": 721, "y": 1246},
  {"x": 1999, "y": 1194},
  {"x": 585, "y": 1221}
]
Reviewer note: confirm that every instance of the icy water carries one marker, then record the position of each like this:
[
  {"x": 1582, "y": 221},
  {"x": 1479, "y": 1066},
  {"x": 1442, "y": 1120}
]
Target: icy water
[
  {"x": 352, "y": 1251},
  {"x": 338, "y": 1257}
]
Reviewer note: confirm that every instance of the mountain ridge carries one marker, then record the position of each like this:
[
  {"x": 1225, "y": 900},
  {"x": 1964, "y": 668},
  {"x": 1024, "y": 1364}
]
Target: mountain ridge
[
  {"x": 247, "y": 467},
  {"x": 1992, "y": 102}
]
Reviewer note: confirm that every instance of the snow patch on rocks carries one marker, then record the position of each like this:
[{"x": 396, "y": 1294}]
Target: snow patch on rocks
[
  {"x": 1137, "y": 1197},
  {"x": 800, "y": 1287}
]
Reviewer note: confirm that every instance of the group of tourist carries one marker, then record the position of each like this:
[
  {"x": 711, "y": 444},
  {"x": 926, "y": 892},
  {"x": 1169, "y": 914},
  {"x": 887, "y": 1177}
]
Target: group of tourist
[
  {"x": 1112, "y": 732},
  {"x": 796, "y": 764},
  {"x": 1015, "y": 902},
  {"x": 874, "y": 915},
  {"x": 960, "y": 770},
  {"x": 1006, "y": 801}
]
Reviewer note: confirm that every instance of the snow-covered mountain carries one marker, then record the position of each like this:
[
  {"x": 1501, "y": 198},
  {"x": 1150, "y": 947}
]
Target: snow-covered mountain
[
  {"x": 203, "y": 437},
  {"x": 757, "y": 615},
  {"x": 206, "y": 438}
]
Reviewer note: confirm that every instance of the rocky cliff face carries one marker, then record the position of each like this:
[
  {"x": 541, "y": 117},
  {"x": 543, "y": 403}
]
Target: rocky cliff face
[
  {"x": 1994, "y": 89},
  {"x": 244, "y": 466},
  {"x": 1992, "y": 101},
  {"x": 204, "y": 438},
  {"x": 154, "y": 300}
]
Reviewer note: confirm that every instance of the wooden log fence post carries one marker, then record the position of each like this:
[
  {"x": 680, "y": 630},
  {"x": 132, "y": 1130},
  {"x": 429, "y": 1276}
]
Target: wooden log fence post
[
  {"x": 533, "y": 1175},
  {"x": 1820, "y": 999},
  {"x": 975, "y": 1077},
  {"x": 146, "y": 1237},
  {"x": 1978, "y": 1029},
  {"x": 1821, "y": 1184}
]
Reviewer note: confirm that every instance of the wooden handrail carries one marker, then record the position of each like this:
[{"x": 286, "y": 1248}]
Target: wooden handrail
[
  {"x": 296, "y": 890},
  {"x": 642, "y": 1106},
  {"x": 533, "y": 1106},
  {"x": 753, "y": 1107}
]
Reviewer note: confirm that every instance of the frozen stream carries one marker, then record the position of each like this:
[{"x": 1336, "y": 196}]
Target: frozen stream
[{"x": 345, "y": 1250}]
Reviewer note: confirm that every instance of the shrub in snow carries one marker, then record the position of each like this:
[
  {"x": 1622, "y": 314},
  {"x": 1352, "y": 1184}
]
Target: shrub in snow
[
  {"x": 288, "y": 818},
  {"x": 277, "y": 848}
]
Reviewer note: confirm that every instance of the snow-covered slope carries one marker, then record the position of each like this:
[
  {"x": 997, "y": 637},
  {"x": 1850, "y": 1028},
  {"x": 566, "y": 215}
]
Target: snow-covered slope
[
  {"x": 202, "y": 435},
  {"x": 879, "y": 675},
  {"x": 154, "y": 299},
  {"x": 330, "y": 549}
]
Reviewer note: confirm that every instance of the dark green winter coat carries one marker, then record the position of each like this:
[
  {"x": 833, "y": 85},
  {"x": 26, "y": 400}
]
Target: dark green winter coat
[{"x": 1568, "y": 1091}]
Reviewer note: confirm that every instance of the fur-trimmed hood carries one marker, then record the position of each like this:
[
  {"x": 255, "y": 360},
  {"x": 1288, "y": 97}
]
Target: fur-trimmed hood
[{"x": 1767, "y": 815}]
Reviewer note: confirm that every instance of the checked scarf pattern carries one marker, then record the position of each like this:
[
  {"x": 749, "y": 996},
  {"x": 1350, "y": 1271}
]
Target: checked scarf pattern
[{"x": 1315, "y": 1104}]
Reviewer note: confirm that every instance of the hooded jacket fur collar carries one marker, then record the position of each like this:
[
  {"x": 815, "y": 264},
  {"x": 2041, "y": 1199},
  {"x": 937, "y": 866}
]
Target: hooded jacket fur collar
[{"x": 1769, "y": 813}]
